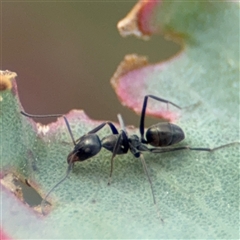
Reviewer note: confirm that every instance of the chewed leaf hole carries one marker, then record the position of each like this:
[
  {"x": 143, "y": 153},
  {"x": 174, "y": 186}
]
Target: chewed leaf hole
[{"x": 22, "y": 190}]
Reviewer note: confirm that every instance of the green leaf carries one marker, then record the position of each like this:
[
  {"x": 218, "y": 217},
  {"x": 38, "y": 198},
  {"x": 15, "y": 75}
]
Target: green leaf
[{"x": 196, "y": 192}]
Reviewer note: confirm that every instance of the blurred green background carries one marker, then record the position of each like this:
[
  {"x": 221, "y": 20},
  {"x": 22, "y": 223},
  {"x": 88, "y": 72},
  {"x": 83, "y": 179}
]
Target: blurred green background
[{"x": 66, "y": 52}]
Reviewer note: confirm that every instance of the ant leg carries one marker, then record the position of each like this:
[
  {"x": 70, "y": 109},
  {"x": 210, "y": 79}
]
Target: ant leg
[
  {"x": 170, "y": 149},
  {"x": 150, "y": 182},
  {"x": 99, "y": 127},
  {"x": 214, "y": 149},
  {"x": 149, "y": 179},
  {"x": 143, "y": 113},
  {"x": 113, "y": 128},
  {"x": 52, "y": 115},
  {"x": 122, "y": 140},
  {"x": 117, "y": 144},
  {"x": 124, "y": 143}
]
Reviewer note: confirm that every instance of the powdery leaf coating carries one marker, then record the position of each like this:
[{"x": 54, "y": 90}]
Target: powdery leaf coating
[
  {"x": 203, "y": 79},
  {"x": 4, "y": 236},
  {"x": 197, "y": 192},
  {"x": 5, "y": 80},
  {"x": 206, "y": 71}
]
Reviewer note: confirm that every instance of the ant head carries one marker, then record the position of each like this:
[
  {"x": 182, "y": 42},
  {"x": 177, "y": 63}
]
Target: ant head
[
  {"x": 88, "y": 146},
  {"x": 72, "y": 157}
]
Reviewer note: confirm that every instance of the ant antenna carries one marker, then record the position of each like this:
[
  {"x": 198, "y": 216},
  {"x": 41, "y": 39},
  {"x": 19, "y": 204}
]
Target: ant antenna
[
  {"x": 69, "y": 169},
  {"x": 52, "y": 115},
  {"x": 70, "y": 164}
]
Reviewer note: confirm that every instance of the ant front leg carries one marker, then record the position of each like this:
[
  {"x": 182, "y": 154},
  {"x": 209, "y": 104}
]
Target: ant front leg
[
  {"x": 143, "y": 113},
  {"x": 117, "y": 144},
  {"x": 99, "y": 127},
  {"x": 96, "y": 129},
  {"x": 120, "y": 147}
]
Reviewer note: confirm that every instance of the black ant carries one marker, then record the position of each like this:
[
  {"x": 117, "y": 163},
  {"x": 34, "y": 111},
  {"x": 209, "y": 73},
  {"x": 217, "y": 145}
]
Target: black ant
[{"x": 161, "y": 135}]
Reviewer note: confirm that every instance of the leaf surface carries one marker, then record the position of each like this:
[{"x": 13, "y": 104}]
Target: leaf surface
[{"x": 196, "y": 192}]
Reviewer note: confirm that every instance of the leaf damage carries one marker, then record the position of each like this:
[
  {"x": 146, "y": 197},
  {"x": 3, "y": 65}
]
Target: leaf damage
[
  {"x": 139, "y": 21},
  {"x": 6, "y": 78}
]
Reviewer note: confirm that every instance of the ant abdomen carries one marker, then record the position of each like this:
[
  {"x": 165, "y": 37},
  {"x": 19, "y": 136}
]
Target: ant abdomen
[{"x": 164, "y": 134}]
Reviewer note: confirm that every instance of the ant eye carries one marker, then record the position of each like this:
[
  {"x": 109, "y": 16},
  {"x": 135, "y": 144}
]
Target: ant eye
[{"x": 87, "y": 150}]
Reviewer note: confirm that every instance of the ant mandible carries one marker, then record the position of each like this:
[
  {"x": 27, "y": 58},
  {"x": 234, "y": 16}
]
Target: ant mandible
[{"x": 161, "y": 136}]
